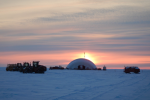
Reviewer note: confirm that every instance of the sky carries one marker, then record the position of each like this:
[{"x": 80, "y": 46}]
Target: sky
[{"x": 114, "y": 33}]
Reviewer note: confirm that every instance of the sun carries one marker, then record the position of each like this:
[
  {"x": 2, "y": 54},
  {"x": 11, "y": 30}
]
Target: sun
[{"x": 89, "y": 57}]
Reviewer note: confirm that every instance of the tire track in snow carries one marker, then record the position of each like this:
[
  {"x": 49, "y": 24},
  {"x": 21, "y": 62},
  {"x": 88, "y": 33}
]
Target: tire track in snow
[
  {"x": 89, "y": 93},
  {"x": 99, "y": 91}
]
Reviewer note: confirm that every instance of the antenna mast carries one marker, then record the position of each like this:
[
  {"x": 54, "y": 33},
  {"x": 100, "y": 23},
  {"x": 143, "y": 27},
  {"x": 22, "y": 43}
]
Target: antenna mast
[{"x": 84, "y": 54}]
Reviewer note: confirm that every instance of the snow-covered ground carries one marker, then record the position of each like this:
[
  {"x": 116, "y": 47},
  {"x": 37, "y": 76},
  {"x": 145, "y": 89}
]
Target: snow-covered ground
[{"x": 75, "y": 85}]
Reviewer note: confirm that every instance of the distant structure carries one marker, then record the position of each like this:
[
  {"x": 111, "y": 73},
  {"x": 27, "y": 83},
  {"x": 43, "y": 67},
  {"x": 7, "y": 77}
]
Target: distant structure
[
  {"x": 56, "y": 67},
  {"x": 81, "y": 64},
  {"x": 128, "y": 69},
  {"x": 104, "y": 68}
]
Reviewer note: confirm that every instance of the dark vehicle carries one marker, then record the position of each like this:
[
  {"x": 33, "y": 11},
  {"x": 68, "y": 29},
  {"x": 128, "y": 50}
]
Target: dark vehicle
[
  {"x": 56, "y": 67},
  {"x": 23, "y": 67},
  {"x": 129, "y": 69},
  {"x": 104, "y": 68},
  {"x": 19, "y": 65},
  {"x": 98, "y": 68},
  {"x": 26, "y": 67},
  {"x": 13, "y": 67},
  {"x": 35, "y": 68},
  {"x": 10, "y": 67}
]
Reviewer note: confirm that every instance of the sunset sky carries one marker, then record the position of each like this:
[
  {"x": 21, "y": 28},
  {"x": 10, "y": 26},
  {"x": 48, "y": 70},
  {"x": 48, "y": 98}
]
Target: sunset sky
[{"x": 115, "y": 33}]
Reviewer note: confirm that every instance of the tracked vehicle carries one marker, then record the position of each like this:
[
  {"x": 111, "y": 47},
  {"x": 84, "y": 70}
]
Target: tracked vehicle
[
  {"x": 26, "y": 67},
  {"x": 34, "y": 68}
]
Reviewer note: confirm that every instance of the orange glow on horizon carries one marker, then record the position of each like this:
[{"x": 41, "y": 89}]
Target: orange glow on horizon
[
  {"x": 65, "y": 57},
  {"x": 89, "y": 56}
]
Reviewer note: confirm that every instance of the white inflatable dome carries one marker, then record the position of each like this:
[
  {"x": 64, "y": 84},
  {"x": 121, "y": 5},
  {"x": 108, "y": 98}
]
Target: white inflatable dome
[{"x": 81, "y": 62}]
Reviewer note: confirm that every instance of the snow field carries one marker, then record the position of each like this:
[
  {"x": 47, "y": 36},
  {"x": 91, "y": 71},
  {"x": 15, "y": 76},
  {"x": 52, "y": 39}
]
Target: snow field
[{"x": 75, "y": 85}]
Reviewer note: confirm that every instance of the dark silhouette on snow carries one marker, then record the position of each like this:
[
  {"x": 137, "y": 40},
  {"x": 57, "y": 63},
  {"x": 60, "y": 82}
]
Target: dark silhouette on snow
[
  {"x": 129, "y": 69},
  {"x": 26, "y": 67}
]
